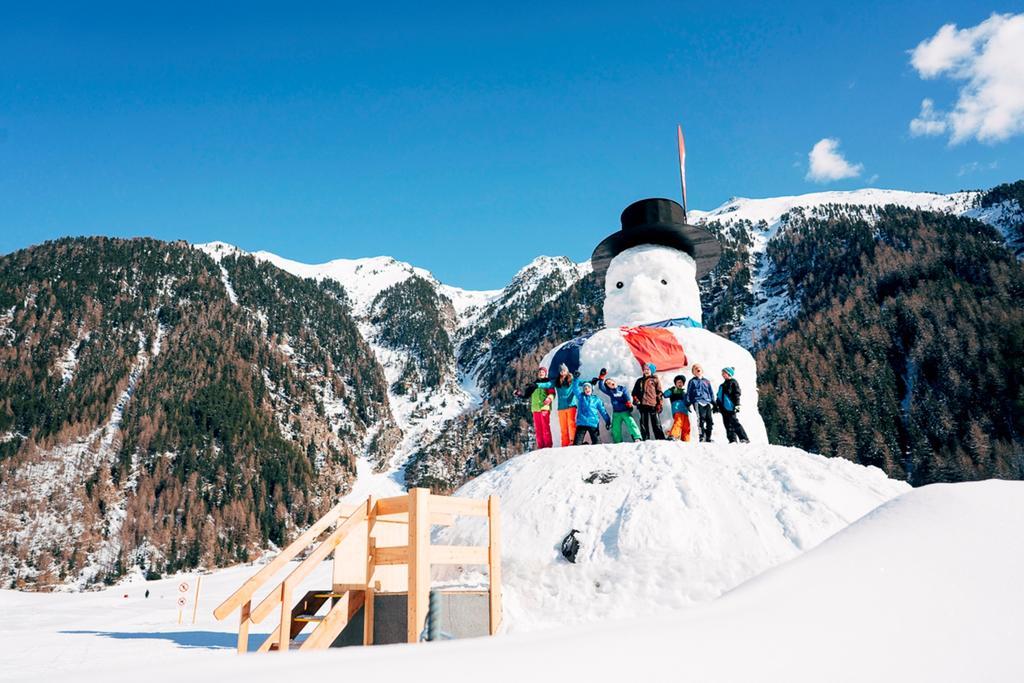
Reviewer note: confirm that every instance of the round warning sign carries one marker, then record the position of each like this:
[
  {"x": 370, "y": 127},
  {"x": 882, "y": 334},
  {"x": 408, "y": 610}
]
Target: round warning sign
[
  {"x": 181, "y": 601},
  {"x": 183, "y": 587}
]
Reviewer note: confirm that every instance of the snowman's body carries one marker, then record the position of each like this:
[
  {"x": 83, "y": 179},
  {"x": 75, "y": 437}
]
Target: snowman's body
[{"x": 648, "y": 284}]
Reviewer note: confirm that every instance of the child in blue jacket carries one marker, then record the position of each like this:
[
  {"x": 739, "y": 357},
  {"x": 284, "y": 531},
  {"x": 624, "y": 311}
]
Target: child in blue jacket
[
  {"x": 622, "y": 407},
  {"x": 680, "y": 410},
  {"x": 589, "y": 410},
  {"x": 699, "y": 394}
]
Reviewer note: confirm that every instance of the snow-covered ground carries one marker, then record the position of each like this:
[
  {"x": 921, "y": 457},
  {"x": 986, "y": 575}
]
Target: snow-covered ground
[
  {"x": 677, "y": 524},
  {"x": 925, "y": 586}
]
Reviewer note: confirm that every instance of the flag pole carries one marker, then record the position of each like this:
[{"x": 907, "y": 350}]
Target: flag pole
[{"x": 682, "y": 165}]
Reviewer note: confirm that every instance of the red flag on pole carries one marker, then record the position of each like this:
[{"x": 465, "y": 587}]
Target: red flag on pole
[{"x": 682, "y": 165}]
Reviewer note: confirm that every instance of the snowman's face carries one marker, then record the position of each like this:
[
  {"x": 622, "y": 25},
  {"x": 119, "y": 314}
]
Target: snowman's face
[{"x": 649, "y": 283}]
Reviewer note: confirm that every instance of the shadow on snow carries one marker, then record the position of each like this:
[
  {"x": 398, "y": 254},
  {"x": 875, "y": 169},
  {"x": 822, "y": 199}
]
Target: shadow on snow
[{"x": 206, "y": 640}]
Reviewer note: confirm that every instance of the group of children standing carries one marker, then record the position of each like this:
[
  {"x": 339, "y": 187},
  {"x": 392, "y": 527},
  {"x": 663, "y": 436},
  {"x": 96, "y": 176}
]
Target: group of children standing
[{"x": 581, "y": 411}]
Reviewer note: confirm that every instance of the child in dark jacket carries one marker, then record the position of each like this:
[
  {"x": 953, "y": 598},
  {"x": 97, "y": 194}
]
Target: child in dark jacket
[
  {"x": 647, "y": 396},
  {"x": 680, "y": 410},
  {"x": 729, "y": 406},
  {"x": 701, "y": 395},
  {"x": 622, "y": 407},
  {"x": 589, "y": 410}
]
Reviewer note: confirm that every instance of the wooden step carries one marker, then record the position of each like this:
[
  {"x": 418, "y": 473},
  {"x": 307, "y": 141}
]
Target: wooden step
[
  {"x": 326, "y": 596},
  {"x": 308, "y": 617}
]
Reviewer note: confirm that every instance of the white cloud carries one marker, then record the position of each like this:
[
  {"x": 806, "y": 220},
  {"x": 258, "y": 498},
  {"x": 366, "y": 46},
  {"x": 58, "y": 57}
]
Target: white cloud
[
  {"x": 989, "y": 61},
  {"x": 928, "y": 122},
  {"x": 977, "y": 166},
  {"x": 827, "y": 163}
]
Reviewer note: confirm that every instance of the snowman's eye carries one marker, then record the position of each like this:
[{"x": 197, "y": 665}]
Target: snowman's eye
[
  {"x": 618, "y": 285},
  {"x": 664, "y": 282}
]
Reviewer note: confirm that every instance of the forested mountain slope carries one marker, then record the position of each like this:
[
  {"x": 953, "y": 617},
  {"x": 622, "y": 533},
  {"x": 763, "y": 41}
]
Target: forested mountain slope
[{"x": 157, "y": 411}]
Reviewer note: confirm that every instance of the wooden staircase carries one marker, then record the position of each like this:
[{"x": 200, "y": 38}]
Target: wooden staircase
[
  {"x": 343, "y": 606},
  {"x": 365, "y": 562}
]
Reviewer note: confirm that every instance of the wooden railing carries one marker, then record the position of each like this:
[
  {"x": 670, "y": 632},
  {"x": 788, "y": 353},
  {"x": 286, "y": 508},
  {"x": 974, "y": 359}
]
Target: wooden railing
[
  {"x": 357, "y": 578},
  {"x": 242, "y": 598}
]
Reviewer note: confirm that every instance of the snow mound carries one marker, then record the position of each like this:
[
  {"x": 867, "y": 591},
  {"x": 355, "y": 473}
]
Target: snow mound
[{"x": 675, "y": 525}]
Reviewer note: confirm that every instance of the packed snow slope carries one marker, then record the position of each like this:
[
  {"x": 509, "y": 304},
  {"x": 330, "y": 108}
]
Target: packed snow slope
[
  {"x": 679, "y": 523},
  {"x": 924, "y": 588}
]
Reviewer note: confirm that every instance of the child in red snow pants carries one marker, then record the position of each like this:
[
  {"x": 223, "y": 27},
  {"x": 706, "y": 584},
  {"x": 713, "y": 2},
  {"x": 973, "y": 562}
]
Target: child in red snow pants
[{"x": 542, "y": 426}]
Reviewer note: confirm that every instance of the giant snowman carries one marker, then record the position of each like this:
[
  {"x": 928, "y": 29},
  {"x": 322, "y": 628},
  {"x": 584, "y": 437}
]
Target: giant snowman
[{"x": 652, "y": 313}]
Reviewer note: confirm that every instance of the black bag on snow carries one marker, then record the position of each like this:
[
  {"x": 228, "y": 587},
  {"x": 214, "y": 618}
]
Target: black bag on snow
[{"x": 570, "y": 546}]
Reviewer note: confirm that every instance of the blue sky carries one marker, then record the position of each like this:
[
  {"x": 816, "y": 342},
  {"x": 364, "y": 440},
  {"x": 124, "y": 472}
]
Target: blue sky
[{"x": 462, "y": 138}]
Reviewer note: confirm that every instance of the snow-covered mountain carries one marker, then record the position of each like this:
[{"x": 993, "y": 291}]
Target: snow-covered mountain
[
  {"x": 469, "y": 320},
  {"x": 766, "y": 219},
  {"x": 487, "y": 331},
  {"x": 173, "y": 371}
]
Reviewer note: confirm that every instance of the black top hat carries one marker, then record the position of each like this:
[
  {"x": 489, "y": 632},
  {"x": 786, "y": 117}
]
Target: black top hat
[{"x": 657, "y": 221}]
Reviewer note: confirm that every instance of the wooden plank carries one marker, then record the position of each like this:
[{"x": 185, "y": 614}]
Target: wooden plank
[
  {"x": 329, "y": 627},
  {"x": 285, "y": 627},
  {"x": 243, "y": 628},
  {"x": 371, "y": 570},
  {"x": 253, "y": 584},
  {"x": 494, "y": 561},
  {"x": 350, "y": 559},
  {"x": 458, "y": 554},
  {"x": 394, "y": 578},
  {"x": 271, "y": 640},
  {"x": 310, "y": 603},
  {"x": 390, "y": 506},
  {"x": 310, "y": 563},
  {"x": 350, "y": 554},
  {"x": 368, "y": 616},
  {"x": 458, "y": 506},
  {"x": 419, "y": 562},
  {"x": 436, "y": 518},
  {"x": 335, "y": 621},
  {"x": 398, "y": 554}
]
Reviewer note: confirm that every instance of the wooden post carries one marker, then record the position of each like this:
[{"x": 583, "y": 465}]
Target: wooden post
[
  {"x": 419, "y": 562},
  {"x": 243, "y": 628},
  {"x": 195, "y": 601},
  {"x": 368, "y": 616},
  {"x": 494, "y": 561},
  {"x": 371, "y": 566},
  {"x": 284, "y": 635}
]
